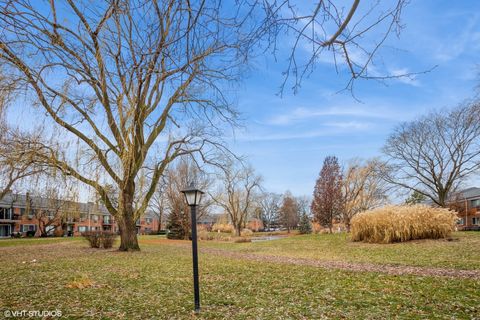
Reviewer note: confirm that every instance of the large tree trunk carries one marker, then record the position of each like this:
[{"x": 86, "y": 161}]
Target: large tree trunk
[
  {"x": 128, "y": 235},
  {"x": 127, "y": 223},
  {"x": 238, "y": 230}
]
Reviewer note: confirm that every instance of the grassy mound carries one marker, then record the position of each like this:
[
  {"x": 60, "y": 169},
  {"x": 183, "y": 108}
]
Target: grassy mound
[{"x": 402, "y": 223}]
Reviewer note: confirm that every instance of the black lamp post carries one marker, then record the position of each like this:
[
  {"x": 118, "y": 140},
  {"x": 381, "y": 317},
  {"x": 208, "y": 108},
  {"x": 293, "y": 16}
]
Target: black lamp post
[{"x": 193, "y": 196}]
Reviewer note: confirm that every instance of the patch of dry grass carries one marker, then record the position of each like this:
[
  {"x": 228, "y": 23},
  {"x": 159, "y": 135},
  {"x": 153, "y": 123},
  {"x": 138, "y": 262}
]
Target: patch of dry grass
[
  {"x": 82, "y": 283},
  {"x": 391, "y": 224}
]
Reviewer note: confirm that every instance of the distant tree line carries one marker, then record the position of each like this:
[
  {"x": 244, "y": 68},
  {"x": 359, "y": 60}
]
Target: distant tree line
[{"x": 430, "y": 158}]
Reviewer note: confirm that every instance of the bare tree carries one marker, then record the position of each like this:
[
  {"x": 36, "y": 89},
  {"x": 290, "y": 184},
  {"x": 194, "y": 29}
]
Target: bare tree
[
  {"x": 303, "y": 203},
  {"x": 289, "y": 211},
  {"x": 16, "y": 159},
  {"x": 338, "y": 31},
  {"x": 270, "y": 204},
  {"x": 132, "y": 82},
  {"x": 327, "y": 195},
  {"x": 51, "y": 200},
  {"x": 159, "y": 203},
  {"x": 177, "y": 178},
  {"x": 238, "y": 193},
  {"x": 363, "y": 188},
  {"x": 136, "y": 82},
  {"x": 432, "y": 155}
]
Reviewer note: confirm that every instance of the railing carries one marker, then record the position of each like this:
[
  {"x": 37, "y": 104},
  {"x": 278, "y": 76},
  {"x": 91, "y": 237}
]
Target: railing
[{"x": 6, "y": 216}]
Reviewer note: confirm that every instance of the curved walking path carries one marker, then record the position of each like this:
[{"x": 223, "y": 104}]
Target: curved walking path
[{"x": 351, "y": 266}]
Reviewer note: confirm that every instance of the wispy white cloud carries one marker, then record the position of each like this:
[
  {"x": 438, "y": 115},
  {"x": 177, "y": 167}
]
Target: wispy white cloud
[
  {"x": 302, "y": 114},
  {"x": 451, "y": 46},
  {"x": 350, "y": 125},
  {"x": 284, "y": 136},
  {"x": 325, "y": 129}
]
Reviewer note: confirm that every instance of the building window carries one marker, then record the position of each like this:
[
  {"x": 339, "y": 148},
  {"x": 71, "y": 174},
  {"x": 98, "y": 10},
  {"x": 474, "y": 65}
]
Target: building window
[
  {"x": 6, "y": 213},
  {"x": 106, "y": 219},
  {"x": 460, "y": 221},
  {"x": 475, "y": 203},
  {"x": 28, "y": 227},
  {"x": 476, "y": 221},
  {"x": 148, "y": 220},
  {"x": 95, "y": 218},
  {"x": 5, "y": 230},
  {"x": 49, "y": 214},
  {"x": 82, "y": 229}
]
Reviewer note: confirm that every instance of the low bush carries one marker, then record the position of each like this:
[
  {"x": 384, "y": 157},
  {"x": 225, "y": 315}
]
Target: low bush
[
  {"x": 108, "y": 238},
  {"x": 93, "y": 238},
  {"x": 222, "y": 227},
  {"x": 242, "y": 239},
  {"x": 204, "y": 227},
  {"x": 97, "y": 239},
  {"x": 30, "y": 234},
  {"x": 246, "y": 233},
  {"x": 205, "y": 235},
  {"x": 217, "y": 236},
  {"x": 402, "y": 223}
]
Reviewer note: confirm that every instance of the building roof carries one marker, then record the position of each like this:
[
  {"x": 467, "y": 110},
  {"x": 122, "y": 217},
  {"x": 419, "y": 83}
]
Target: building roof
[
  {"x": 468, "y": 193},
  {"x": 207, "y": 219},
  {"x": 25, "y": 200}
]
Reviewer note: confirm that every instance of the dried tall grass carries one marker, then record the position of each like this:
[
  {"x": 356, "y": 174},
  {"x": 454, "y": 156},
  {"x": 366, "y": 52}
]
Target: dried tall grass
[
  {"x": 223, "y": 227},
  {"x": 402, "y": 223}
]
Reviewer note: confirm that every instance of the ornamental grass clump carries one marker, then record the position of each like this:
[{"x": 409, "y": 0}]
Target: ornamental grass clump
[
  {"x": 223, "y": 227},
  {"x": 402, "y": 223}
]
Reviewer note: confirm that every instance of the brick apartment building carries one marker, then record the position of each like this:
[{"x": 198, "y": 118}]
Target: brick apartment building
[
  {"x": 22, "y": 214},
  {"x": 467, "y": 205}
]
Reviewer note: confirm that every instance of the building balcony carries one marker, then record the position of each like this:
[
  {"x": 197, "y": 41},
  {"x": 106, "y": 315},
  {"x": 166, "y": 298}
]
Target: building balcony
[{"x": 10, "y": 218}]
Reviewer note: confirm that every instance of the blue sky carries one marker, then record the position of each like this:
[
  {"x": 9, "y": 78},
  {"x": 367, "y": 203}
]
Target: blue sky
[{"x": 286, "y": 138}]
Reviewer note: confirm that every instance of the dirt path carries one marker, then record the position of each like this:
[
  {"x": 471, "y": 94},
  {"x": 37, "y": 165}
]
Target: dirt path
[{"x": 349, "y": 266}]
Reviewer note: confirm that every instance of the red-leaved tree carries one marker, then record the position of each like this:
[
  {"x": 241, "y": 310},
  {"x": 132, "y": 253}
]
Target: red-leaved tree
[{"x": 327, "y": 196}]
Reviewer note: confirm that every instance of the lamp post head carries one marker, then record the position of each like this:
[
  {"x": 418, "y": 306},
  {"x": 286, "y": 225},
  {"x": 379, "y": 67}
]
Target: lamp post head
[{"x": 193, "y": 196}]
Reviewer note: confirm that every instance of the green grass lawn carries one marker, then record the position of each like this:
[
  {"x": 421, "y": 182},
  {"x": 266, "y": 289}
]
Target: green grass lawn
[
  {"x": 156, "y": 282},
  {"x": 463, "y": 252},
  {"x": 35, "y": 241}
]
